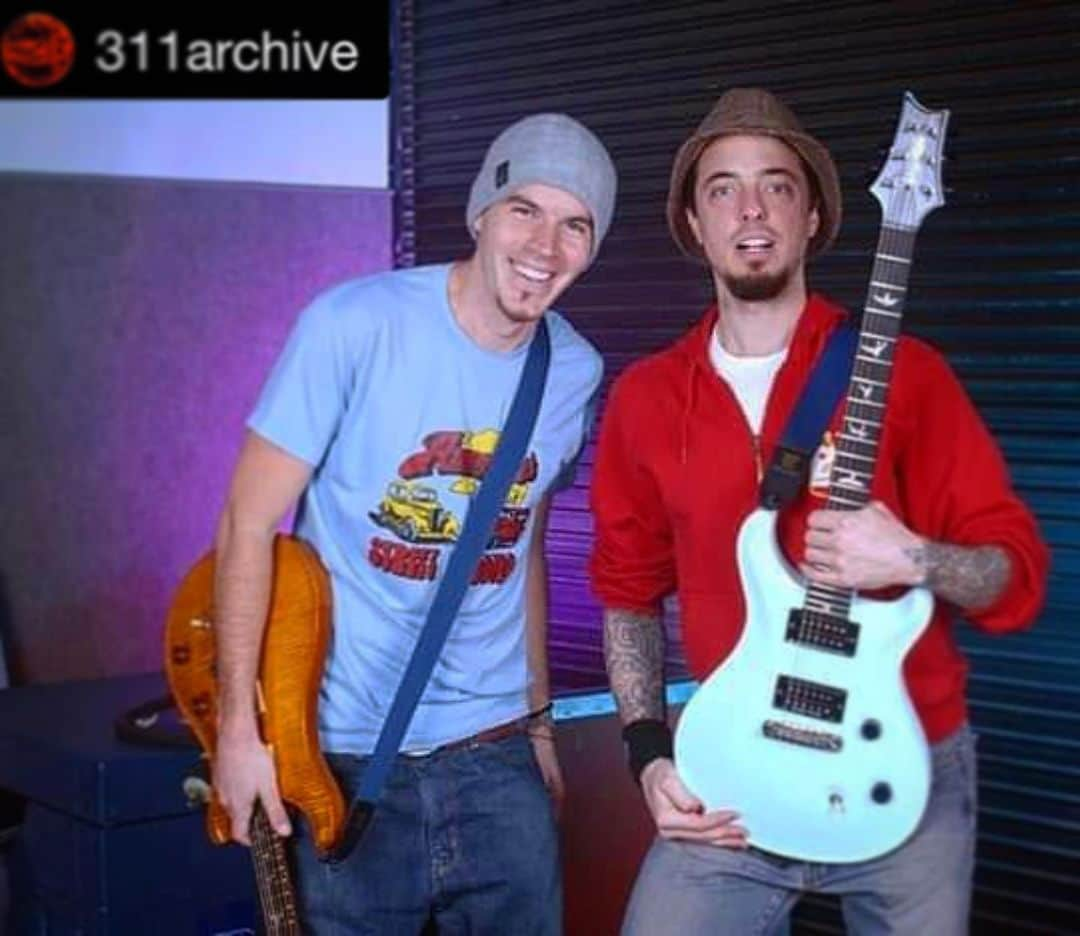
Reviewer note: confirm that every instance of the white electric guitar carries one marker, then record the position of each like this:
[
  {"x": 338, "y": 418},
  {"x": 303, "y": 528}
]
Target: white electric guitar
[{"x": 806, "y": 730}]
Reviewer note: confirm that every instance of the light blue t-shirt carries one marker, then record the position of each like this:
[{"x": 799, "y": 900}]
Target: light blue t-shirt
[{"x": 398, "y": 411}]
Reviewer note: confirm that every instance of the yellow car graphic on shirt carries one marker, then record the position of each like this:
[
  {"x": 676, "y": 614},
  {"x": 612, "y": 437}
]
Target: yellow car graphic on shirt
[{"x": 414, "y": 513}]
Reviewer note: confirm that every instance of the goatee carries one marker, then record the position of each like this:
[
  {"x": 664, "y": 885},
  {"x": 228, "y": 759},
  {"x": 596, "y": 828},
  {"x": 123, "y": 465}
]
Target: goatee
[{"x": 757, "y": 287}]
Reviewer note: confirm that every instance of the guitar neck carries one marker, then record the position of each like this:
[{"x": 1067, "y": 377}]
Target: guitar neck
[
  {"x": 272, "y": 878},
  {"x": 864, "y": 411}
]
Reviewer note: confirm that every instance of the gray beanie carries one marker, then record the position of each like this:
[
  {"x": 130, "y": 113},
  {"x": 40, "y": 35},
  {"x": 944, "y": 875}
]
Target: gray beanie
[{"x": 552, "y": 149}]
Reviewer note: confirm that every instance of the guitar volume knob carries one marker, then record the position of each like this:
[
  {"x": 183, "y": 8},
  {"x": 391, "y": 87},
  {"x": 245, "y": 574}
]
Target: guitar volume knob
[
  {"x": 881, "y": 793},
  {"x": 871, "y": 729}
]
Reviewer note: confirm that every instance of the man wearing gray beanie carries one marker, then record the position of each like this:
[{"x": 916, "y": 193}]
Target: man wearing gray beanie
[
  {"x": 552, "y": 149},
  {"x": 378, "y": 422}
]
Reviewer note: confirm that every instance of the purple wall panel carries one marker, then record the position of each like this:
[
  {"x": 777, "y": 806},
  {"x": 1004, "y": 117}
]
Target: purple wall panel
[{"x": 138, "y": 320}]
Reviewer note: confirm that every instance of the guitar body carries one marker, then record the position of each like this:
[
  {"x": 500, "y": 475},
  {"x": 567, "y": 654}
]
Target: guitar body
[
  {"x": 797, "y": 800},
  {"x": 295, "y": 642}
]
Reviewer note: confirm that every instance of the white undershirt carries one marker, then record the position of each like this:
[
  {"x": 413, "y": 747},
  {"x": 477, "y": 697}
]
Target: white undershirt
[{"x": 750, "y": 377}]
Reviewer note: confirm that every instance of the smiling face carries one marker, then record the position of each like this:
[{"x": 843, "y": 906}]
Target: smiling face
[
  {"x": 530, "y": 247},
  {"x": 753, "y": 215}
]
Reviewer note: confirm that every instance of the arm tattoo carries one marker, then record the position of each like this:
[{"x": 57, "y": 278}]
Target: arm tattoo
[
  {"x": 971, "y": 577},
  {"x": 634, "y": 653}
]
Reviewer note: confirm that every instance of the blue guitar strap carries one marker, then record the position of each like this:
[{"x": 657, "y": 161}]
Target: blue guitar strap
[
  {"x": 790, "y": 463},
  {"x": 475, "y": 533}
]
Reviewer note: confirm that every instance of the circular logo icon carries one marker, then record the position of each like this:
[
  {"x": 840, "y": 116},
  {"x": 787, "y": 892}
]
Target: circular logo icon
[{"x": 37, "y": 50}]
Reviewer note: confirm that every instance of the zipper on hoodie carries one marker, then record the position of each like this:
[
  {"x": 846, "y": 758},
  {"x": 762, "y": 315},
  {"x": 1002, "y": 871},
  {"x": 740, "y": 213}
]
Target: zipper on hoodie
[
  {"x": 756, "y": 446},
  {"x": 755, "y": 437}
]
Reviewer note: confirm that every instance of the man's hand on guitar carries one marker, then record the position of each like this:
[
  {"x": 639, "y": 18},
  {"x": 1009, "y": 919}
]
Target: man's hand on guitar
[
  {"x": 864, "y": 549},
  {"x": 243, "y": 774},
  {"x": 681, "y": 815}
]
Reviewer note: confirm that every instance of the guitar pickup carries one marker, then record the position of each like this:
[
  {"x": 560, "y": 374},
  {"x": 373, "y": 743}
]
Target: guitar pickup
[
  {"x": 793, "y": 734},
  {"x": 814, "y": 700},
  {"x": 822, "y": 632}
]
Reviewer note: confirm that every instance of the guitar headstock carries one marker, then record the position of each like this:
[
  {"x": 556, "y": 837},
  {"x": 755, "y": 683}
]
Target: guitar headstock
[{"x": 909, "y": 184}]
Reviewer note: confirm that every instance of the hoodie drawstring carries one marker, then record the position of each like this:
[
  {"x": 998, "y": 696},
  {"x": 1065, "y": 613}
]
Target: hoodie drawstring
[{"x": 687, "y": 412}]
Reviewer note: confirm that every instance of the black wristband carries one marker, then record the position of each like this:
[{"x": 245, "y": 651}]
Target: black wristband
[{"x": 646, "y": 740}]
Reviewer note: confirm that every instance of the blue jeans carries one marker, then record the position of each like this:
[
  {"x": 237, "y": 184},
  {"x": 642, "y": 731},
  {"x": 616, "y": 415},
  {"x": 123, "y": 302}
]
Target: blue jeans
[
  {"x": 922, "y": 887},
  {"x": 466, "y": 837}
]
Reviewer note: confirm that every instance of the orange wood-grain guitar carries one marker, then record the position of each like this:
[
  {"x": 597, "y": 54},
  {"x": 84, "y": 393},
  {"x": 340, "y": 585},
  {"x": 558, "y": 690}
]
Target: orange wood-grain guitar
[{"x": 294, "y": 647}]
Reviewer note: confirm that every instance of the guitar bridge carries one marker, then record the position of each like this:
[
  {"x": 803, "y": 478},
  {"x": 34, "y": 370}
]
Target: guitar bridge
[
  {"x": 814, "y": 700},
  {"x": 805, "y": 737},
  {"x": 822, "y": 632}
]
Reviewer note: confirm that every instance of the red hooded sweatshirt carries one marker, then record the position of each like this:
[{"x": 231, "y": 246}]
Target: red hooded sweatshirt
[{"x": 677, "y": 471}]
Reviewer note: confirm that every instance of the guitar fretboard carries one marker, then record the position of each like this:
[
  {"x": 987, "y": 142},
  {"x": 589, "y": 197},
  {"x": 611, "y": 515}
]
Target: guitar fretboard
[
  {"x": 864, "y": 411},
  {"x": 272, "y": 878}
]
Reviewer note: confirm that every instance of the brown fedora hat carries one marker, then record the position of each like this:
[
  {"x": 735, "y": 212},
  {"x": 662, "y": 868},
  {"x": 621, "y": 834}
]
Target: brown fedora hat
[{"x": 754, "y": 111}]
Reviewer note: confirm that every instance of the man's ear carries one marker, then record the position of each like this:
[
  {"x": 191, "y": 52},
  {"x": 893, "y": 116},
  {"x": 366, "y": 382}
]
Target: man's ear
[
  {"x": 695, "y": 225},
  {"x": 814, "y": 219}
]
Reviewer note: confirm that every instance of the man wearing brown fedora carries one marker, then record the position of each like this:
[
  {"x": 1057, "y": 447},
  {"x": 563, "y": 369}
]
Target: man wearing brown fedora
[{"x": 685, "y": 439}]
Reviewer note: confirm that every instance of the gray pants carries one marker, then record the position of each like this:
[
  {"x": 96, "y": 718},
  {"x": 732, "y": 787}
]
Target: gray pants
[{"x": 920, "y": 888}]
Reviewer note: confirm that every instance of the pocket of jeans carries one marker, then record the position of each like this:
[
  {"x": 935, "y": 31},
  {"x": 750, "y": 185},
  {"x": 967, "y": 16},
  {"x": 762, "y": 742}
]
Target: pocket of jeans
[
  {"x": 515, "y": 751},
  {"x": 955, "y": 771},
  {"x": 347, "y": 770},
  {"x": 704, "y": 858}
]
